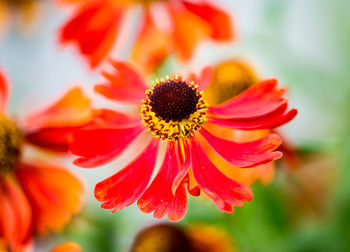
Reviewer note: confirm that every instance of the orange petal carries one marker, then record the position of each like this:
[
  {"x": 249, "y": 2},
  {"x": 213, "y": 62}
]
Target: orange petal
[
  {"x": 188, "y": 31},
  {"x": 152, "y": 45},
  {"x": 264, "y": 173},
  {"x": 72, "y": 110},
  {"x": 15, "y": 215},
  {"x": 53, "y": 203},
  {"x": 219, "y": 20},
  {"x": 94, "y": 28},
  {"x": 67, "y": 247}
]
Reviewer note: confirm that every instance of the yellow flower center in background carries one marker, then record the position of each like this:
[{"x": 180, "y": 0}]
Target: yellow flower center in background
[
  {"x": 161, "y": 238},
  {"x": 173, "y": 109},
  {"x": 10, "y": 141},
  {"x": 230, "y": 79},
  {"x": 20, "y": 3}
]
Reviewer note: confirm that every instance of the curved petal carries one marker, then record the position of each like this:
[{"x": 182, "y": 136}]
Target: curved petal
[
  {"x": 188, "y": 31},
  {"x": 97, "y": 147},
  {"x": 72, "y": 110},
  {"x": 93, "y": 28},
  {"x": 246, "y": 154},
  {"x": 259, "y": 100},
  {"x": 15, "y": 215},
  {"x": 4, "y": 92},
  {"x": 219, "y": 20},
  {"x": 159, "y": 196},
  {"x": 152, "y": 45},
  {"x": 204, "y": 79},
  {"x": 183, "y": 151},
  {"x": 276, "y": 119},
  {"x": 263, "y": 173},
  {"x": 52, "y": 204},
  {"x": 224, "y": 191},
  {"x": 124, "y": 85},
  {"x": 126, "y": 186}
]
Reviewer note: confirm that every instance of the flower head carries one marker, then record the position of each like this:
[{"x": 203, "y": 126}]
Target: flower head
[
  {"x": 174, "y": 110},
  {"x": 166, "y": 26},
  {"x": 32, "y": 199}
]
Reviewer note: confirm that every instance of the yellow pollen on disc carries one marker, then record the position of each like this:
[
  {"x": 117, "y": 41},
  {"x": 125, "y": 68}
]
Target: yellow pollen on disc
[
  {"x": 173, "y": 109},
  {"x": 10, "y": 141}
]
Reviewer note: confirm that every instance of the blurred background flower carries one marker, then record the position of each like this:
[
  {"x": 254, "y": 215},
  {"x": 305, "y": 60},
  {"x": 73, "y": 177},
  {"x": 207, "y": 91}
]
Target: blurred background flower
[
  {"x": 33, "y": 200},
  {"x": 166, "y": 27},
  {"x": 192, "y": 238}
]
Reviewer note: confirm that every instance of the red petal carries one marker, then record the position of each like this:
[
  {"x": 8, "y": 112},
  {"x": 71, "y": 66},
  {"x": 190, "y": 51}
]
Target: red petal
[
  {"x": 218, "y": 19},
  {"x": 185, "y": 164},
  {"x": 54, "y": 194},
  {"x": 204, "y": 79},
  {"x": 278, "y": 118},
  {"x": 126, "y": 186},
  {"x": 4, "y": 92},
  {"x": 67, "y": 247},
  {"x": 55, "y": 139},
  {"x": 259, "y": 100},
  {"x": 94, "y": 29},
  {"x": 224, "y": 191},
  {"x": 15, "y": 215},
  {"x": 246, "y": 154},
  {"x": 159, "y": 196},
  {"x": 99, "y": 146},
  {"x": 72, "y": 110},
  {"x": 125, "y": 85}
]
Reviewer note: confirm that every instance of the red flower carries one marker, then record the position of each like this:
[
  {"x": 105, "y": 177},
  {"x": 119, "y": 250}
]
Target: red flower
[
  {"x": 36, "y": 196},
  {"x": 95, "y": 26},
  {"x": 174, "y": 110}
]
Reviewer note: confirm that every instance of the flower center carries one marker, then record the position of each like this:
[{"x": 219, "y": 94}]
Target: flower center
[
  {"x": 174, "y": 100},
  {"x": 173, "y": 108},
  {"x": 10, "y": 141}
]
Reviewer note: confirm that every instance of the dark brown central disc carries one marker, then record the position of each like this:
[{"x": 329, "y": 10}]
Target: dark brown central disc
[
  {"x": 174, "y": 100},
  {"x": 10, "y": 140}
]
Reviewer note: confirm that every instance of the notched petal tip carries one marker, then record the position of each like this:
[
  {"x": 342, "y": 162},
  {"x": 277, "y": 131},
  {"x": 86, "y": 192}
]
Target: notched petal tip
[
  {"x": 128, "y": 185},
  {"x": 118, "y": 84}
]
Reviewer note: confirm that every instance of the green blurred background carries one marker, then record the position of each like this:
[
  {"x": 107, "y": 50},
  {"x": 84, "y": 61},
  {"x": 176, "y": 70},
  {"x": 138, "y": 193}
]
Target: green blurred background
[{"x": 305, "y": 44}]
